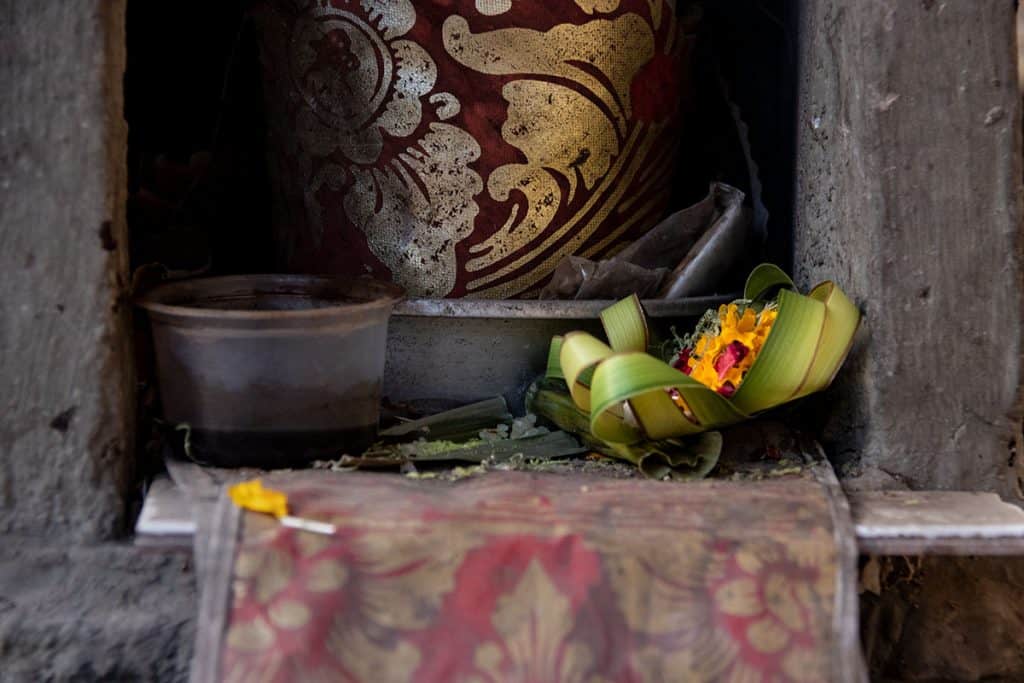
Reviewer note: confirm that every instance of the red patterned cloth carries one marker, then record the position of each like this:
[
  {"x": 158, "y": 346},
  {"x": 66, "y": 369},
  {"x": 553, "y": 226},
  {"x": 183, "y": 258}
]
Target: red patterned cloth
[
  {"x": 463, "y": 147},
  {"x": 533, "y": 578}
]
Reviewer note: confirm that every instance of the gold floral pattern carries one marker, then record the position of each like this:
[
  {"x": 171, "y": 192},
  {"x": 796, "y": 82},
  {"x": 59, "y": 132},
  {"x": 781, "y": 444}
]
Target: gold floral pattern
[
  {"x": 600, "y": 59},
  {"x": 461, "y": 158},
  {"x": 534, "y": 622},
  {"x": 492, "y": 8},
  {"x": 364, "y": 86},
  {"x": 526, "y": 578}
]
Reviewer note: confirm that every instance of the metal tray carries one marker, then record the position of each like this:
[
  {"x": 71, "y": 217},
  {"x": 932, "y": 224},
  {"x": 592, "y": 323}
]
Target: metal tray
[{"x": 443, "y": 352}]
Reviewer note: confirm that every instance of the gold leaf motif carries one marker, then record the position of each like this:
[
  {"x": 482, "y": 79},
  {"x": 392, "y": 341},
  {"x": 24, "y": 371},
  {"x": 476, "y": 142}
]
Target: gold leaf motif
[
  {"x": 416, "y": 210},
  {"x": 655, "y": 664},
  {"x": 644, "y": 600},
  {"x": 536, "y": 125},
  {"x": 804, "y": 665},
  {"x": 814, "y": 550},
  {"x": 492, "y": 8},
  {"x": 659, "y": 588},
  {"x": 396, "y": 17},
  {"x": 368, "y": 660},
  {"x": 326, "y": 575},
  {"x": 749, "y": 561},
  {"x": 412, "y": 572},
  {"x": 251, "y": 635},
  {"x": 415, "y": 77},
  {"x": 781, "y": 601},
  {"x": 767, "y": 635},
  {"x": 617, "y": 48},
  {"x": 367, "y": 88},
  {"x": 342, "y": 68},
  {"x": 347, "y": 72},
  {"x": 739, "y": 598},
  {"x": 289, "y": 614},
  {"x": 399, "y": 578},
  {"x": 275, "y": 574},
  {"x": 311, "y": 544},
  {"x": 534, "y": 621},
  {"x": 602, "y": 6},
  {"x": 448, "y": 106},
  {"x": 593, "y": 150},
  {"x": 247, "y": 564},
  {"x": 363, "y": 84},
  {"x": 487, "y": 658}
]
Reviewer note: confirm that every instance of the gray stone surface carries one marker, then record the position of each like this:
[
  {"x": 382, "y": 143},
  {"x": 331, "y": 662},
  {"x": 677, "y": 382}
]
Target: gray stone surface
[
  {"x": 908, "y": 194},
  {"x": 104, "y": 612},
  {"x": 65, "y": 360}
]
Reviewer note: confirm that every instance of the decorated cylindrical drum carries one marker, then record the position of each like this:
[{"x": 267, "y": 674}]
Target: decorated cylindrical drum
[{"x": 462, "y": 148}]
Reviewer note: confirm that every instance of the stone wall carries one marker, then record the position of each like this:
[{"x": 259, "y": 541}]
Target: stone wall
[
  {"x": 66, "y": 419},
  {"x": 104, "y": 612},
  {"x": 73, "y": 606},
  {"x": 908, "y": 193}
]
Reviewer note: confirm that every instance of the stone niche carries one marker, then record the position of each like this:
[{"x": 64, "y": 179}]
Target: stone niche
[{"x": 894, "y": 153}]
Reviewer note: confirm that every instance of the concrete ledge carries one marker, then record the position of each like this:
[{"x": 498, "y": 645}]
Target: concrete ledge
[{"x": 102, "y": 612}]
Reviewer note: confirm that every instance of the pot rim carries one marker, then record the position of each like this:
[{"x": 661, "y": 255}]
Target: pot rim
[
  {"x": 552, "y": 309},
  {"x": 164, "y": 300}
]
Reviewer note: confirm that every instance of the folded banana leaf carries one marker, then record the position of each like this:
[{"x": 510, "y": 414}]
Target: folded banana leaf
[
  {"x": 692, "y": 458},
  {"x": 630, "y": 397}
]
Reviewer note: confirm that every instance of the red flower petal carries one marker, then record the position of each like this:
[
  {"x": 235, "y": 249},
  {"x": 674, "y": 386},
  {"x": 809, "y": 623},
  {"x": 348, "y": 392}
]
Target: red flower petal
[
  {"x": 727, "y": 390},
  {"x": 733, "y": 354},
  {"x": 682, "y": 362}
]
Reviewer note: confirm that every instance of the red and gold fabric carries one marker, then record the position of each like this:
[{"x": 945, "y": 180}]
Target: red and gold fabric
[
  {"x": 463, "y": 147},
  {"x": 526, "y": 577}
]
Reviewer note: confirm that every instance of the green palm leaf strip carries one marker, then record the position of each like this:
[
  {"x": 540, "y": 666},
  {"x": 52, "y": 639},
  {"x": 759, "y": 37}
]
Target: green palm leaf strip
[
  {"x": 632, "y": 398},
  {"x": 554, "y": 369},
  {"x": 691, "y": 458}
]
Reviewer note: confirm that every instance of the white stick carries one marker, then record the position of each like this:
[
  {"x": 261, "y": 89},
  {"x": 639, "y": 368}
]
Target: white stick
[{"x": 309, "y": 525}]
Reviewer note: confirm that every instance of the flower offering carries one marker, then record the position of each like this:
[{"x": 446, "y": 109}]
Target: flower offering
[{"x": 770, "y": 347}]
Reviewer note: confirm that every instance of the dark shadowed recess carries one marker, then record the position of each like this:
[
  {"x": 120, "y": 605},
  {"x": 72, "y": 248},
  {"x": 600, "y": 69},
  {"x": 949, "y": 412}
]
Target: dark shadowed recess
[
  {"x": 199, "y": 195},
  {"x": 751, "y": 50},
  {"x": 200, "y": 198}
]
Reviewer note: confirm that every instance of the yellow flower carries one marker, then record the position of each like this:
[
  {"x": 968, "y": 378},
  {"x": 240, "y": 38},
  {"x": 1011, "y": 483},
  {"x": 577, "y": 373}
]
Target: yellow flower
[
  {"x": 250, "y": 495},
  {"x": 721, "y": 361}
]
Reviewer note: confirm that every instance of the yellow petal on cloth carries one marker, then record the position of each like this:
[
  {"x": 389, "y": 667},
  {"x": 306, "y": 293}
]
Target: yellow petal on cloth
[{"x": 250, "y": 495}]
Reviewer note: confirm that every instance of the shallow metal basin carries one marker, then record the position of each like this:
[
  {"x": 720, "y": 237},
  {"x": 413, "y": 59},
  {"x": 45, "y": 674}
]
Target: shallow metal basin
[{"x": 443, "y": 352}]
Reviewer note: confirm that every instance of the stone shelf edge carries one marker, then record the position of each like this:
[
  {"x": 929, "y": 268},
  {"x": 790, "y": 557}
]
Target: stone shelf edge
[
  {"x": 886, "y": 522},
  {"x": 936, "y": 523}
]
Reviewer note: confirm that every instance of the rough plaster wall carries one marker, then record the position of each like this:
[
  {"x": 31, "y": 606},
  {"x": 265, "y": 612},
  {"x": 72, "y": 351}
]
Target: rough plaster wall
[
  {"x": 66, "y": 408},
  {"x": 908, "y": 194},
  {"x": 105, "y": 612}
]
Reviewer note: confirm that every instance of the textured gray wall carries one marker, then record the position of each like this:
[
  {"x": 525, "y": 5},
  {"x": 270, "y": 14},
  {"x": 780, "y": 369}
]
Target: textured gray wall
[
  {"x": 70, "y": 608},
  {"x": 104, "y": 612},
  {"x": 908, "y": 194},
  {"x": 66, "y": 409}
]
